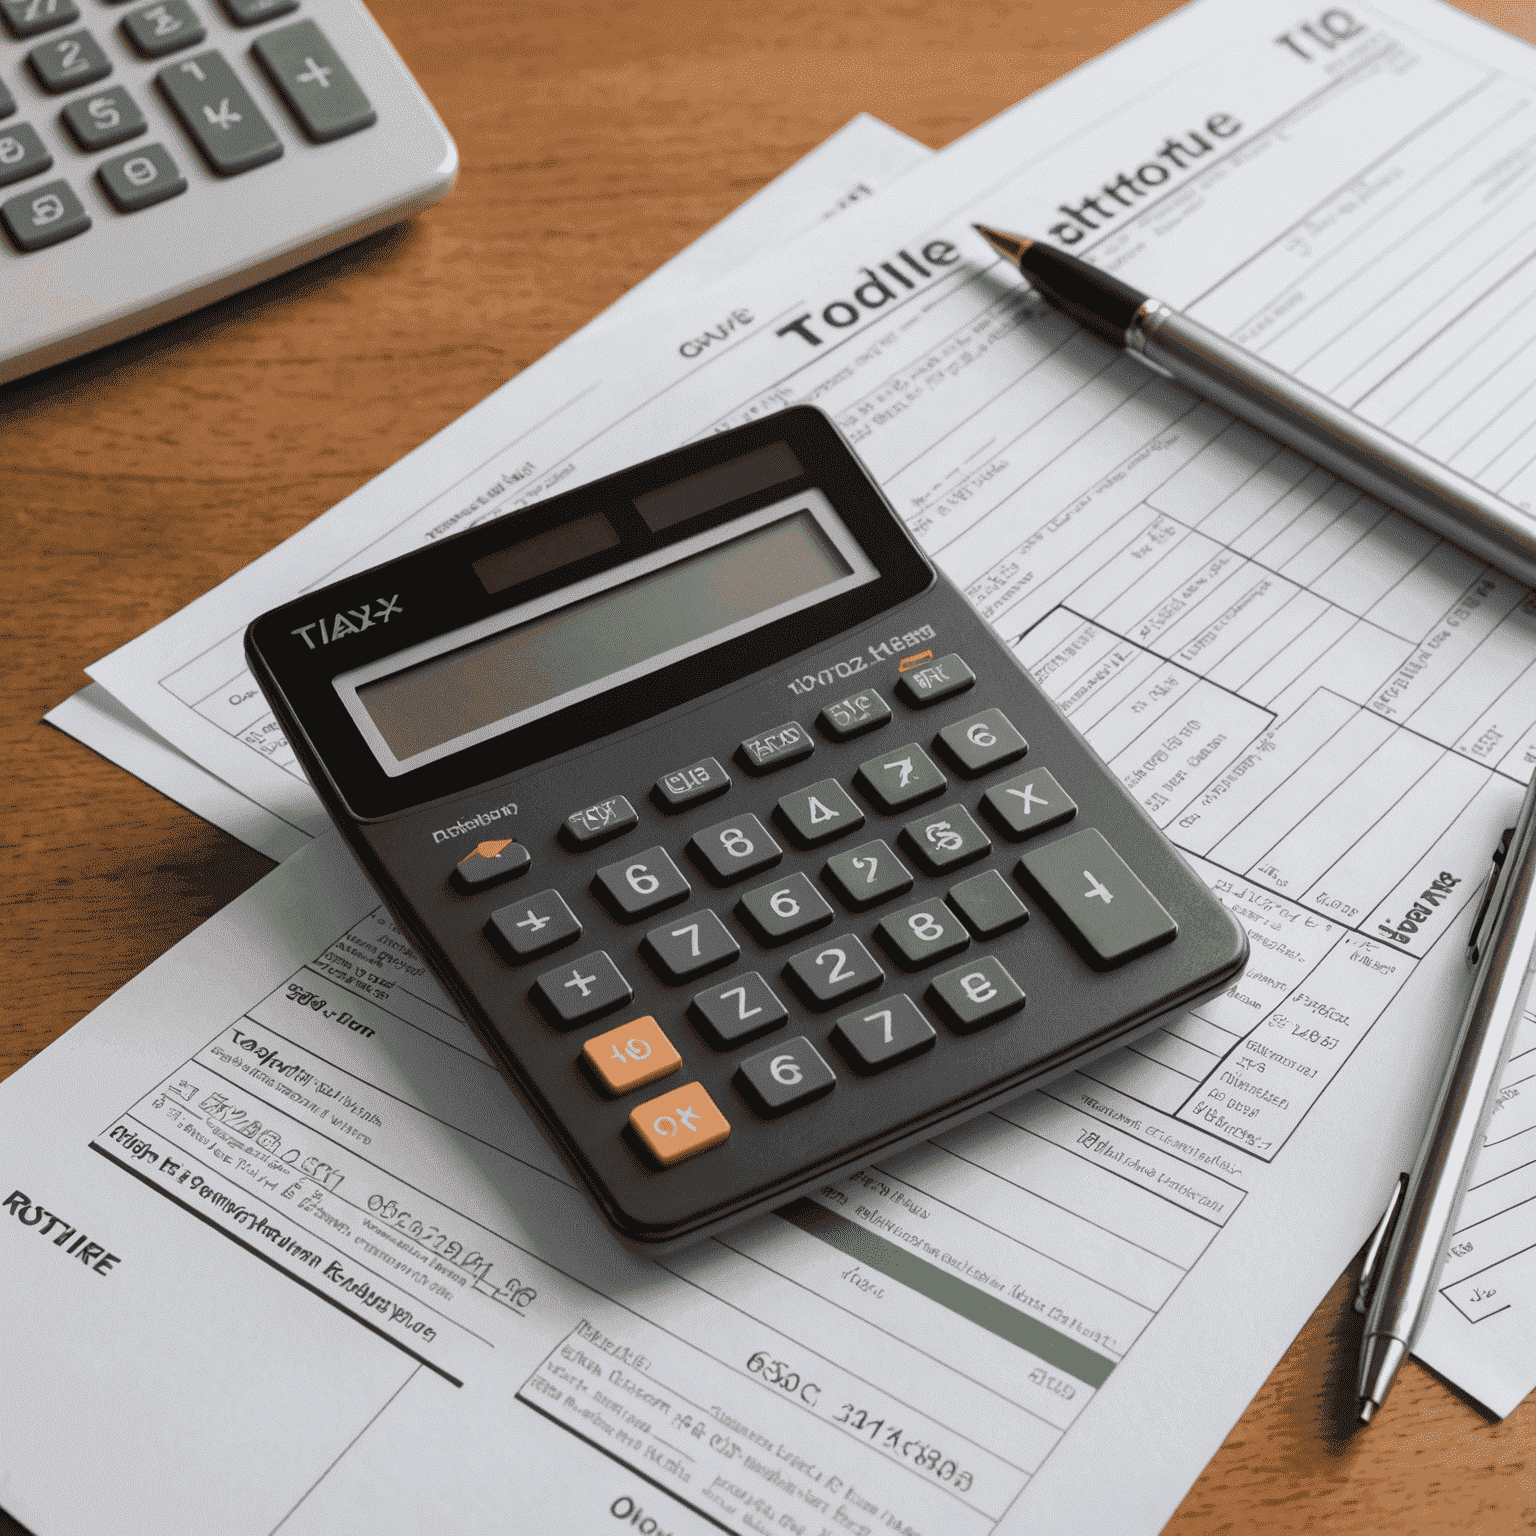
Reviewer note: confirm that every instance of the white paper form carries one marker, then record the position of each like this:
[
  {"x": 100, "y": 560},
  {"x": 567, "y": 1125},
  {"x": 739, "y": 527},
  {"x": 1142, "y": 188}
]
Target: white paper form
[
  {"x": 276, "y": 1241},
  {"x": 846, "y": 169},
  {"x": 1328, "y": 706}
]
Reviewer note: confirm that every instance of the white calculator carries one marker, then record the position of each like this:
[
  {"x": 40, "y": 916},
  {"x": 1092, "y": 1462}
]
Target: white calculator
[{"x": 157, "y": 156}]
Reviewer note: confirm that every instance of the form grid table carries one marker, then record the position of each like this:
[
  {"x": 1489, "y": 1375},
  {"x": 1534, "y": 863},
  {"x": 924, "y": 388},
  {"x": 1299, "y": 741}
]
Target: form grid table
[{"x": 139, "y": 477}]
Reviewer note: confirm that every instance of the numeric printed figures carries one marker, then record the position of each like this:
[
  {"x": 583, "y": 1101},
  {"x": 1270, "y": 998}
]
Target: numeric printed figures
[
  {"x": 689, "y": 946},
  {"x": 827, "y": 973},
  {"x": 740, "y": 1009},
  {"x": 784, "y": 909},
  {"x": 981, "y": 743},
  {"x": 901, "y": 777},
  {"x": 865, "y": 876},
  {"x": 975, "y": 994},
  {"x": 732, "y": 850},
  {"x": 884, "y": 1034},
  {"x": 786, "y": 1076}
]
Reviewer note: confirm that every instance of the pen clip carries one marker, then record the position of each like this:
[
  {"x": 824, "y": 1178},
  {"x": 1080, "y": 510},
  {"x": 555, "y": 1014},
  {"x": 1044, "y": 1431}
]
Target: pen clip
[
  {"x": 1474, "y": 947},
  {"x": 1378, "y": 1244}
]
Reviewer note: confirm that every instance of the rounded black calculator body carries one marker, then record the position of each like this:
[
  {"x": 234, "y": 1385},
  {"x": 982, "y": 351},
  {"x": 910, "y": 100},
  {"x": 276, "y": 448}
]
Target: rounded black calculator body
[{"x": 748, "y": 849}]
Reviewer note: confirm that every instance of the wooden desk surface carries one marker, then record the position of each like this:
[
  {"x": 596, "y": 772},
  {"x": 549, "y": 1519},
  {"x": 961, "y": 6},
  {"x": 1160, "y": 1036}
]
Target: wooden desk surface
[{"x": 135, "y": 479}]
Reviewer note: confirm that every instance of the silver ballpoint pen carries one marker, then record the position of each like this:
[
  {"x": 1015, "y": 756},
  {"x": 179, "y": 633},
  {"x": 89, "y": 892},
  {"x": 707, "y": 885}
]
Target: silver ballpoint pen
[
  {"x": 1285, "y": 409},
  {"x": 1399, "y": 1282}
]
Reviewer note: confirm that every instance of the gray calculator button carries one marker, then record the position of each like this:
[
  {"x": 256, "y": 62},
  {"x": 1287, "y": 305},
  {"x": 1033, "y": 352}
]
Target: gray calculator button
[
  {"x": 975, "y": 994},
  {"x": 988, "y": 904},
  {"x": 26, "y": 18},
  {"x": 536, "y": 925},
  {"x": 934, "y": 680},
  {"x": 22, "y": 154},
  {"x": 820, "y": 813},
  {"x": 923, "y": 934},
  {"x": 732, "y": 850},
  {"x": 692, "y": 785},
  {"x": 44, "y": 216},
  {"x": 898, "y": 778},
  {"x": 778, "y": 748},
  {"x": 945, "y": 839},
  {"x": 785, "y": 1076},
  {"x": 597, "y": 823},
  {"x": 689, "y": 946},
  {"x": 218, "y": 114},
  {"x": 326, "y": 102},
  {"x": 739, "y": 1010},
  {"x": 1033, "y": 802},
  {"x": 852, "y": 716},
  {"x": 784, "y": 909},
  {"x": 833, "y": 970},
  {"x": 582, "y": 989},
  {"x": 885, "y": 1033},
  {"x": 982, "y": 742},
  {"x": 867, "y": 875},
  {"x": 643, "y": 883},
  {"x": 107, "y": 118},
  {"x": 141, "y": 178},
  {"x": 7, "y": 101},
  {"x": 487, "y": 863},
  {"x": 62, "y": 63},
  {"x": 162, "y": 28},
  {"x": 1095, "y": 899},
  {"x": 246, "y": 13}
]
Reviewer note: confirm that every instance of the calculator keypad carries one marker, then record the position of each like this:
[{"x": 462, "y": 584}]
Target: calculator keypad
[
  {"x": 645, "y": 882},
  {"x": 936, "y": 931},
  {"x": 209, "y": 96}
]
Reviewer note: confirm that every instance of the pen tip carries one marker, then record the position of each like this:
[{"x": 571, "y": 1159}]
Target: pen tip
[
  {"x": 1011, "y": 246},
  {"x": 1367, "y": 1408}
]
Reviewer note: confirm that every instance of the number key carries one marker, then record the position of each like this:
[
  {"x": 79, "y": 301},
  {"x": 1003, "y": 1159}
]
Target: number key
[
  {"x": 901, "y": 777},
  {"x": 641, "y": 884},
  {"x": 975, "y": 994},
  {"x": 945, "y": 840},
  {"x": 689, "y": 946},
  {"x": 44, "y": 216},
  {"x": 218, "y": 113},
  {"x": 867, "y": 875},
  {"x": 784, "y": 909},
  {"x": 922, "y": 934},
  {"x": 829, "y": 972},
  {"x": 62, "y": 63},
  {"x": 536, "y": 925},
  {"x": 105, "y": 119},
  {"x": 981, "y": 743},
  {"x": 741, "y": 1010},
  {"x": 26, "y": 18},
  {"x": 22, "y": 154},
  {"x": 732, "y": 850},
  {"x": 162, "y": 28},
  {"x": 820, "y": 813},
  {"x": 785, "y": 1076},
  {"x": 631, "y": 1056},
  {"x": 887, "y": 1032}
]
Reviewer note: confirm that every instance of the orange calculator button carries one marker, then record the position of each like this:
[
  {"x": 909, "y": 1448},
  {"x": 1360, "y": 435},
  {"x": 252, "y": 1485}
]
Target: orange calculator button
[
  {"x": 675, "y": 1125},
  {"x": 631, "y": 1055}
]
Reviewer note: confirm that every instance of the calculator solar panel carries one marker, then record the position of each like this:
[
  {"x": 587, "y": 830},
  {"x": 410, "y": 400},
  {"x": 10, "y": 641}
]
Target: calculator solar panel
[
  {"x": 748, "y": 849},
  {"x": 157, "y": 155}
]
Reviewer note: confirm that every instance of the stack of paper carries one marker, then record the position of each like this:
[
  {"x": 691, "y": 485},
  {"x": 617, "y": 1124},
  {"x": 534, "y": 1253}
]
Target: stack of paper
[{"x": 314, "y": 1190}]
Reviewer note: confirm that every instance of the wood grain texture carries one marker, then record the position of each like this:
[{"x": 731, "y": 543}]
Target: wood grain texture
[{"x": 596, "y": 139}]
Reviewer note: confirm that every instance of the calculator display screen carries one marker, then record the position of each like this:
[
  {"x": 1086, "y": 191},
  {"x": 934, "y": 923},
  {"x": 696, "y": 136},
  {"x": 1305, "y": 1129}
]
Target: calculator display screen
[{"x": 573, "y": 644}]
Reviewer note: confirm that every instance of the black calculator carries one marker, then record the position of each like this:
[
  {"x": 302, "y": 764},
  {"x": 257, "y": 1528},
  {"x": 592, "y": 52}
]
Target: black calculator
[{"x": 750, "y": 852}]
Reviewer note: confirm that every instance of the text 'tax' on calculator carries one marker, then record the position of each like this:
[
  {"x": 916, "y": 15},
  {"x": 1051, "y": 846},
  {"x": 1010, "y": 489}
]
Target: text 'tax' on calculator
[
  {"x": 748, "y": 849},
  {"x": 160, "y": 154}
]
